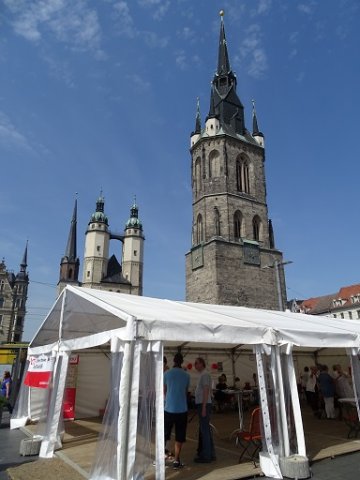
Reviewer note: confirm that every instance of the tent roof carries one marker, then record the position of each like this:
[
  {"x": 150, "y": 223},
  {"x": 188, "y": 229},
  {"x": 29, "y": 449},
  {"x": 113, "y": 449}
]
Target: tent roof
[{"x": 83, "y": 317}]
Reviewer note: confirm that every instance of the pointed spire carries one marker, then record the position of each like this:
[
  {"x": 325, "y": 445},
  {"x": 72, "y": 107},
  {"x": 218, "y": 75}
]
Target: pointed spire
[
  {"x": 198, "y": 118},
  {"x": 22, "y": 275},
  {"x": 223, "y": 60},
  {"x": 256, "y": 130},
  {"x": 70, "y": 251},
  {"x": 23, "y": 264},
  {"x": 212, "y": 112}
]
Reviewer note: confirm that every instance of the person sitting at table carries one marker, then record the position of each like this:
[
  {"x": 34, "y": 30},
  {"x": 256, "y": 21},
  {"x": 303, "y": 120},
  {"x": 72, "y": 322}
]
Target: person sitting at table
[
  {"x": 237, "y": 384},
  {"x": 220, "y": 395}
]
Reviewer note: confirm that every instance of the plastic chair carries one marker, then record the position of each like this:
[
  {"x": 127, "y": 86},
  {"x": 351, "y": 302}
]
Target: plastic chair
[{"x": 250, "y": 440}]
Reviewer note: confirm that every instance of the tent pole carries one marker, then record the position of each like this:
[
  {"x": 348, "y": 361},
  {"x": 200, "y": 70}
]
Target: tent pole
[
  {"x": 159, "y": 431},
  {"x": 285, "y": 432},
  {"x": 265, "y": 412},
  {"x": 299, "y": 427}
]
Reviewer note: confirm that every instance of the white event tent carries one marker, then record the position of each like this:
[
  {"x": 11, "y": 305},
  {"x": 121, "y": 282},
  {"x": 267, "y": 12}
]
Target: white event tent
[{"x": 136, "y": 329}]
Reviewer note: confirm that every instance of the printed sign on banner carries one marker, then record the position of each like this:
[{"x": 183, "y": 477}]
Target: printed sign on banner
[
  {"x": 70, "y": 389},
  {"x": 39, "y": 371}
]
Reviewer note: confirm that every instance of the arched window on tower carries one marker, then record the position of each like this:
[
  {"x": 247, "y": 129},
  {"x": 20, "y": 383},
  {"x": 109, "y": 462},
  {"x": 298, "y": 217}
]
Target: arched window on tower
[
  {"x": 237, "y": 225},
  {"x": 70, "y": 273},
  {"x": 214, "y": 164},
  {"x": 197, "y": 174},
  {"x": 199, "y": 229},
  {"x": 217, "y": 221},
  {"x": 256, "y": 228},
  {"x": 242, "y": 175}
]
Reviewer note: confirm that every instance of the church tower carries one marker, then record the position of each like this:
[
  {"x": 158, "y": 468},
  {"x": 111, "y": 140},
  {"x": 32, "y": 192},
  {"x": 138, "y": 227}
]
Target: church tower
[
  {"x": 13, "y": 296},
  {"x": 69, "y": 265},
  {"x": 233, "y": 259},
  {"x": 133, "y": 251},
  {"x": 97, "y": 241}
]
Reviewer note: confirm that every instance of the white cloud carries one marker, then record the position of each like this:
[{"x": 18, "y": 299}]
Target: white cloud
[
  {"x": 139, "y": 84},
  {"x": 73, "y": 23},
  {"x": 181, "y": 60},
  {"x": 262, "y": 7},
  {"x": 153, "y": 40},
  {"x": 186, "y": 33},
  {"x": 125, "y": 22},
  {"x": 252, "y": 53},
  {"x": 160, "y": 7},
  {"x": 10, "y": 136},
  {"x": 305, "y": 8}
]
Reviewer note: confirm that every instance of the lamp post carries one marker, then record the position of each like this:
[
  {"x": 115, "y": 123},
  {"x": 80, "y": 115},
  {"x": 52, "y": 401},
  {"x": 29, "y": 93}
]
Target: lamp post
[{"x": 276, "y": 266}]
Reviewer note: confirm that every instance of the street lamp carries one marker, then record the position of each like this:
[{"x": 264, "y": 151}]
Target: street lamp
[{"x": 276, "y": 266}]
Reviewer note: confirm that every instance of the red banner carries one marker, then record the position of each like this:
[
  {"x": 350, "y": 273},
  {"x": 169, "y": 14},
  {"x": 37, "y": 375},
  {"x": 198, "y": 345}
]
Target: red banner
[
  {"x": 70, "y": 389},
  {"x": 40, "y": 371}
]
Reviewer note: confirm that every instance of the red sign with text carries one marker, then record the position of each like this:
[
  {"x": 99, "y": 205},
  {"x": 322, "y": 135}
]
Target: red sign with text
[{"x": 40, "y": 371}]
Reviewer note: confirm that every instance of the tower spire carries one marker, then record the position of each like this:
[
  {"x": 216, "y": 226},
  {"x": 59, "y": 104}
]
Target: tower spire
[
  {"x": 23, "y": 263},
  {"x": 258, "y": 136},
  {"x": 70, "y": 251},
  {"x": 223, "y": 59},
  {"x": 198, "y": 118}
]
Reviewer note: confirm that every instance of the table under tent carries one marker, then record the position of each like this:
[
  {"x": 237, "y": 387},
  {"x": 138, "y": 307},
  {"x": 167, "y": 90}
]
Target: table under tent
[{"x": 137, "y": 329}]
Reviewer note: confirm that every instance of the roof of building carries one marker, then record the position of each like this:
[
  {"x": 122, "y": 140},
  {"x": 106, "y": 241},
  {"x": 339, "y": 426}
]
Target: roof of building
[{"x": 325, "y": 303}]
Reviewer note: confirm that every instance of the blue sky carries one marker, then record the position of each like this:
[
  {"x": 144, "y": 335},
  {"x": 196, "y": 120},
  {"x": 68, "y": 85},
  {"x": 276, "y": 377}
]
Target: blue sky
[{"x": 102, "y": 94}]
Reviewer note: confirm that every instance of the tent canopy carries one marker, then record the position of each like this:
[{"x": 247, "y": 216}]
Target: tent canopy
[{"x": 82, "y": 318}]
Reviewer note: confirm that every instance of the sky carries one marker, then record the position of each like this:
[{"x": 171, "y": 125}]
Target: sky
[{"x": 101, "y": 95}]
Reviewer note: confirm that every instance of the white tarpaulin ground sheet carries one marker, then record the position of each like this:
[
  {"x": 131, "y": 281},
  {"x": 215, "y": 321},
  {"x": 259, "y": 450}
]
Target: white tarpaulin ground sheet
[{"x": 138, "y": 328}]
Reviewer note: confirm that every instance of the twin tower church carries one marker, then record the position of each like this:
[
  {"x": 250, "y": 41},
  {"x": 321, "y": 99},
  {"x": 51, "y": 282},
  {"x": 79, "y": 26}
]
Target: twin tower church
[{"x": 233, "y": 259}]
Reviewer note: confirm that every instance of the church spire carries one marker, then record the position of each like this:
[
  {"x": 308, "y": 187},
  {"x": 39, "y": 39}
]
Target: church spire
[
  {"x": 198, "y": 117},
  {"x": 225, "y": 105},
  {"x": 70, "y": 251},
  {"x": 258, "y": 136},
  {"x": 22, "y": 275},
  {"x": 69, "y": 265},
  {"x": 223, "y": 60}
]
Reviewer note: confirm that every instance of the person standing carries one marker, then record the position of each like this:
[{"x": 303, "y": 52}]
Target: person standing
[
  {"x": 176, "y": 386},
  {"x": 6, "y": 389},
  {"x": 203, "y": 403},
  {"x": 327, "y": 388}
]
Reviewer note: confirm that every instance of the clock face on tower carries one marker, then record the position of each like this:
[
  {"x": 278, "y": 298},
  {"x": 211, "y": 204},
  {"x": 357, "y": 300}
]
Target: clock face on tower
[
  {"x": 197, "y": 257},
  {"x": 251, "y": 254}
]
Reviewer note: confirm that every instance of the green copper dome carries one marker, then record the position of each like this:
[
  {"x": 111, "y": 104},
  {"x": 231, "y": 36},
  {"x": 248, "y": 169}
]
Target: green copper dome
[
  {"x": 134, "y": 221},
  {"x": 99, "y": 216}
]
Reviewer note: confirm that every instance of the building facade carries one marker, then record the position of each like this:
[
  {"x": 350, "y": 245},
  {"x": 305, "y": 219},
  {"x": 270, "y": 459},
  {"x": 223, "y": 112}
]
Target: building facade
[
  {"x": 343, "y": 304},
  {"x": 233, "y": 259},
  {"x": 100, "y": 270},
  {"x": 13, "y": 296}
]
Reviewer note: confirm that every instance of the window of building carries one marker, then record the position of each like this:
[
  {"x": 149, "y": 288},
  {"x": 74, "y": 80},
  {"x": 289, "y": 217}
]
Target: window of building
[
  {"x": 88, "y": 273},
  {"x": 1, "y": 320},
  {"x": 199, "y": 229},
  {"x": 237, "y": 225},
  {"x": 350, "y": 315},
  {"x": 358, "y": 313},
  {"x": 242, "y": 175},
  {"x": 341, "y": 315},
  {"x": 197, "y": 175},
  {"x": 135, "y": 253},
  {"x": 2, "y": 302},
  {"x": 2, "y": 283},
  {"x": 217, "y": 221},
  {"x": 256, "y": 228},
  {"x": 214, "y": 164},
  {"x": 98, "y": 248}
]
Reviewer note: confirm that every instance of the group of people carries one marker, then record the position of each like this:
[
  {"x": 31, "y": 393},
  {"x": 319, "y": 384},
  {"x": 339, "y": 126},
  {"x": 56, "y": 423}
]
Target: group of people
[
  {"x": 176, "y": 387},
  {"x": 323, "y": 389}
]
